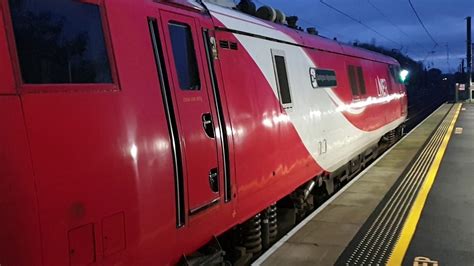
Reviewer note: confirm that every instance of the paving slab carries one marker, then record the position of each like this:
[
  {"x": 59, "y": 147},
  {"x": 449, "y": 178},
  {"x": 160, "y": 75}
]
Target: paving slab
[
  {"x": 350, "y": 198},
  {"x": 349, "y": 214},
  {"x": 318, "y": 232}
]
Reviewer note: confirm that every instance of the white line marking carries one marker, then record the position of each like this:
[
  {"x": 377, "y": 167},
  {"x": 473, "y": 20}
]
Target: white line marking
[{"x": 295, "y": 229}]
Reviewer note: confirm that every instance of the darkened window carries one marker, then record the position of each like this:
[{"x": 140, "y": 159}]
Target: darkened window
[
  {"x": 282, "y": 79},
  {"x": 60, "y": 42},
  {"x": 352, "y": 80},
  {"x": 184, "y": 56},
  {"x": 395, "y": 71},
  {"x": 356, "y": 80},
  {"x": 360, "y": 77}
]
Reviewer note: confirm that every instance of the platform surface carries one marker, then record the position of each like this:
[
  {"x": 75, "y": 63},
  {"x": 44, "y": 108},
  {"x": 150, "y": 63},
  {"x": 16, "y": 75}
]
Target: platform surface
[
  {"x": 325, "y": 236},
  {"x": 445, "y": 230}
]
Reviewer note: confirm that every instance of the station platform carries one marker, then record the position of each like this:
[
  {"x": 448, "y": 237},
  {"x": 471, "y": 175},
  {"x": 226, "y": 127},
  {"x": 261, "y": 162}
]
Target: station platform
[{"x": 413, "y": 206}]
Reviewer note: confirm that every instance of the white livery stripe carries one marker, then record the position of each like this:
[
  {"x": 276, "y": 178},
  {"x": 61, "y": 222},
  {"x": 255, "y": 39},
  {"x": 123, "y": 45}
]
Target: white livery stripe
[{"x": 317, "y": 114}]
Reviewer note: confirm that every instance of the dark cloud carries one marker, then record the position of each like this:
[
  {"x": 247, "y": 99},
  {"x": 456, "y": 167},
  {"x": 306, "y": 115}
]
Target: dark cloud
[{"x": 445, "y": 20}]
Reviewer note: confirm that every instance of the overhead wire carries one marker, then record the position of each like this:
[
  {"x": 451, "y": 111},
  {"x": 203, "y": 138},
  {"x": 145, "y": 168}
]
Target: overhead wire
[
  {"x": 347, "y": 15},
  {"x": 422, "y": 24},
  {"x": 431, "y": 52},
  {"x": 360, "y": 22},
  {"x": 386, "y": 17},
  {"x": 391, "y": 22}
]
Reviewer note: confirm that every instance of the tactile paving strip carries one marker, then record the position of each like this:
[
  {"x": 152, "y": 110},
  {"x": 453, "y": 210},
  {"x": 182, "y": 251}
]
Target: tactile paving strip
[{"x": 373, "y": 244}]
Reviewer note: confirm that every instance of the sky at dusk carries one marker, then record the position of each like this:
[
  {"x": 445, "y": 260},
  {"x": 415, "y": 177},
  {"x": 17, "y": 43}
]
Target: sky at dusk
[{"x": 395, "y": 20}]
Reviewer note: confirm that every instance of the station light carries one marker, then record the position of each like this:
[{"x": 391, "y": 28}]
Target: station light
[{"x": 404, "y": 74}]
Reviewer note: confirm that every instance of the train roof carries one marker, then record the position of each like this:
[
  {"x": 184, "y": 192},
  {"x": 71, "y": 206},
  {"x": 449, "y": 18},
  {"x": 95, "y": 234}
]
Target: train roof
[{"x": 243, "y": 23}]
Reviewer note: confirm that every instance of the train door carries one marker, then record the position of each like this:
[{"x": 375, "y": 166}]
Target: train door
[{"x": 191, "y": 103}]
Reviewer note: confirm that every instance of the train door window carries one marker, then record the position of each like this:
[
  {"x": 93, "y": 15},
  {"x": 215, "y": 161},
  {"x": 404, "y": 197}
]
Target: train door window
[
  {"x": 282, "y": 81},
  {"x": 184, "y": 56},
  {"x": 60, "y": 42}
]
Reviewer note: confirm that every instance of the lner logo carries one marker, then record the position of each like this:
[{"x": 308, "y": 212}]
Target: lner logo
[{"x": 382, "y": 88}]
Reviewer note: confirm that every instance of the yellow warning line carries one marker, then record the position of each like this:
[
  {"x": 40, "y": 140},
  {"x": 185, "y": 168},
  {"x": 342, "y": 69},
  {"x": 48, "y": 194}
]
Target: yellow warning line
[{"x": 406, "y": 234}]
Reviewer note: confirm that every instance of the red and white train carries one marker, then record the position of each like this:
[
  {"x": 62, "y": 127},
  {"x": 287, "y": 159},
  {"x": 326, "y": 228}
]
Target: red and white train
[{"x": 135, "y": 132}]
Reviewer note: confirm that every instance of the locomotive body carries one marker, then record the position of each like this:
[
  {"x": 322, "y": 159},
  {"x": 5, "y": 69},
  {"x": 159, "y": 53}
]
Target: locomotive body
[{"x": 133, "y": 132}]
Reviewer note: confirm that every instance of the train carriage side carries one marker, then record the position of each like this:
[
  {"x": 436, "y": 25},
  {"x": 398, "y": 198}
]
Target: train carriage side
[
  {"x": 89, "y": 166},
  {"x": 353, "y": 114},
  {"x": 130, "y": 127}
]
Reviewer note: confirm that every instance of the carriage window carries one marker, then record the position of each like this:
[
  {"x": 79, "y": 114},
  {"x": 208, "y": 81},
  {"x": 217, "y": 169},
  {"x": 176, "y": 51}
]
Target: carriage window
[
  {"x": 360, "y": 77},
  {"x": 352, "y": 80},
  {"x": 60, "y": 42},
  {"x": 282, "y": 79},
  {"x": 356, "y": 80},
  {"x": 184, "y": 56}
]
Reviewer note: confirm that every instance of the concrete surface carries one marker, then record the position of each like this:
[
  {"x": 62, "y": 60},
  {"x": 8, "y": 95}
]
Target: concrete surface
[
  {"x": 445, "y": 231},
  {"x": 324, "y": 238}
]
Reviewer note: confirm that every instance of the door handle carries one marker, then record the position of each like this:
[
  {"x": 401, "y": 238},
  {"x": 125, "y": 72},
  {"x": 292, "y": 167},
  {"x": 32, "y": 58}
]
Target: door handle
[
  {"x": 208, "y": 125},
  {"x": 214, "y": 180}
]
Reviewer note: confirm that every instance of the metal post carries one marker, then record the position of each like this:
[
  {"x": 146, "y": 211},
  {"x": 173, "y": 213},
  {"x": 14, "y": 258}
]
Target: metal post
[
  {"x": 456, "y": 92},
  {"x": 469, "y": 55}
]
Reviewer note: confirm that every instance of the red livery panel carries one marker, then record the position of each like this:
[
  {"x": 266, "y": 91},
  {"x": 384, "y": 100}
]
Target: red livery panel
[{"x": 134, "y": 132}]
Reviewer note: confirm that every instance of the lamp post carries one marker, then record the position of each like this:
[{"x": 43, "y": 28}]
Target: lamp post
[{"x": 469, "y": 58}]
